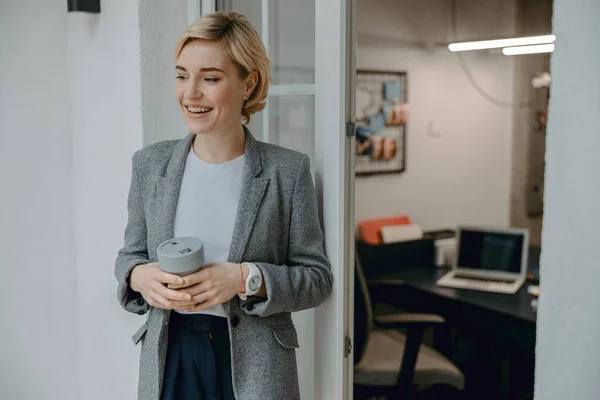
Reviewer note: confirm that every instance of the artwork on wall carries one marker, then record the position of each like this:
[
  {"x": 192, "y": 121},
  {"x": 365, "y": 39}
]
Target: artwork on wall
[{"x": 381, "y": 116}]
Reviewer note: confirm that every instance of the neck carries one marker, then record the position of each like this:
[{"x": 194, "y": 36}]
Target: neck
[{"x": 221, "y": 147}]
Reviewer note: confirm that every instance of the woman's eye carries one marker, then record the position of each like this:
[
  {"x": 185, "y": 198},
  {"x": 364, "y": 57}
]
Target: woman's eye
[
  {"x": 211, "y": 79},
  {"x": 179, "y": 77}
]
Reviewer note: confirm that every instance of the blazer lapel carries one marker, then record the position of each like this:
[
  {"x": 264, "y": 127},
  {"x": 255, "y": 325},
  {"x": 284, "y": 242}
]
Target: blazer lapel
[
  {"x": 167, "y": 189},
  {"x": 251, "y": 195}
]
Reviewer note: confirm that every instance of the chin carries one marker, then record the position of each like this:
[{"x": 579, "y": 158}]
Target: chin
[{"x": 198, "y": 130}]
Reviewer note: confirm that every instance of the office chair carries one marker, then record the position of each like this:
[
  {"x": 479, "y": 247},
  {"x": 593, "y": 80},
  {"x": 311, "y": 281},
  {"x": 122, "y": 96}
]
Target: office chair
[{"x": 390, "y": 363}]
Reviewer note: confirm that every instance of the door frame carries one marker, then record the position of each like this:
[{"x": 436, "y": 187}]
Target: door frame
[{"x": 334, "y": 159}]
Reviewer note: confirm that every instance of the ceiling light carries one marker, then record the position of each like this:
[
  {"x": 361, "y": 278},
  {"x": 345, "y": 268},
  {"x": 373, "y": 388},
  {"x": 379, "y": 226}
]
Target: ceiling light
[
  {"x": 495, "y": 44},
  {"x": 540, "y": 48}
]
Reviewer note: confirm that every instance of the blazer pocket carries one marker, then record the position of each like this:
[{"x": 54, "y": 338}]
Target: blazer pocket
[
  {"x": 140, "y": 333},
  {"x": 286, "y": 336}
]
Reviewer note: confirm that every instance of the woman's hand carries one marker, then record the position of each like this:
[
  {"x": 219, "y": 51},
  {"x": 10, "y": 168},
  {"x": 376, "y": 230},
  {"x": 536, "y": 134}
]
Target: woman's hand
[
  {"x": 214, "y": 284},
  {"x": 150, "y": 280}
]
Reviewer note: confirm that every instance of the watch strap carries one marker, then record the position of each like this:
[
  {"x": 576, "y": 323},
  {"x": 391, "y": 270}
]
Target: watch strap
[{"x": 253, "y": 271}]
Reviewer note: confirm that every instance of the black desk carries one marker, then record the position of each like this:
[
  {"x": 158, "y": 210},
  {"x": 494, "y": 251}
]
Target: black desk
[
  {"x": 517, "y": 306},
  {"x": 503, "y": 325}
]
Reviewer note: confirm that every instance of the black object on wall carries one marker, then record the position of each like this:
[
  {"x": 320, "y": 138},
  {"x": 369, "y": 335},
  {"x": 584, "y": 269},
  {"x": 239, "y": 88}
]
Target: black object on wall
[{"x": 92, "y": 6}]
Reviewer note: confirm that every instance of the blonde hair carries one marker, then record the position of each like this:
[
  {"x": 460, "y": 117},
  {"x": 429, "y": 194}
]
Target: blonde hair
[{"x": 243, "y": 44}]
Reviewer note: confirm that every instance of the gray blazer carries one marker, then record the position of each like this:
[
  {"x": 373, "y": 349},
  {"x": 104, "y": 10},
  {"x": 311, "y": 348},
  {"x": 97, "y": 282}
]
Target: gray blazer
[{"x": 277, "y": 227}]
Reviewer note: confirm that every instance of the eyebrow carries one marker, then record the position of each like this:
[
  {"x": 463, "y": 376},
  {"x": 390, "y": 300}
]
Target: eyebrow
[{"x": 210, "y": 69}]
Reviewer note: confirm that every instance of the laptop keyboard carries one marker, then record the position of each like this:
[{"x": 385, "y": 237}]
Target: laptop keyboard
[{"x": 482, "y": 279}]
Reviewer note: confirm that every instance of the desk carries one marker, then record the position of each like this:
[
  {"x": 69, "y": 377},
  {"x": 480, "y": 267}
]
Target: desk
[
  {"x": 517, "y": 306},
  {"x": 502, "y": 325}
]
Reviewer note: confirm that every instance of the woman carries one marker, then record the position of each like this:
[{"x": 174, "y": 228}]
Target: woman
[{"x": 225, "y": 331}]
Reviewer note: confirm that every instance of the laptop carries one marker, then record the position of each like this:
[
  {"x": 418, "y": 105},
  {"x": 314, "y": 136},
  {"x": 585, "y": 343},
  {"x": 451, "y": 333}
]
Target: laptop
[{"x": 489, "y": 259}]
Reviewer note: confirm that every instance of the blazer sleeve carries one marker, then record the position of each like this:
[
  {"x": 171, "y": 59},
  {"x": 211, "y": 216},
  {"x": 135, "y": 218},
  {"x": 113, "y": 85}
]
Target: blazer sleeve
[
  {"x": 135, "y": 249},
  {"x": 306, "y": 281}
]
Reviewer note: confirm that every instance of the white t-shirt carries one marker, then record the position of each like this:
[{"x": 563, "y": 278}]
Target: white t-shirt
[{"x": 207, "y": 207}]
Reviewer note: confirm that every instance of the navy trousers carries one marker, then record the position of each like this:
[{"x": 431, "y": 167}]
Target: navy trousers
[{"x": 198, "y": 365}]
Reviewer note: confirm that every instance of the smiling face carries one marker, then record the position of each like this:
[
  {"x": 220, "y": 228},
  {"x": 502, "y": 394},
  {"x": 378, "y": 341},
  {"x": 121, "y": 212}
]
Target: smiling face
[{"x": 209, "y": 88}]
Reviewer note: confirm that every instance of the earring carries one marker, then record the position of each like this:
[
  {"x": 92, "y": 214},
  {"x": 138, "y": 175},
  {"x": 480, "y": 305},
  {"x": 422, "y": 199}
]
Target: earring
[{"x": 245, "y": 102}]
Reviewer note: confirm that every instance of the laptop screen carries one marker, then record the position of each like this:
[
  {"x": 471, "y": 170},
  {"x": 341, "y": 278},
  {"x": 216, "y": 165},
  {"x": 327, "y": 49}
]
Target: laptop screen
[{"x": 490, "y": 251}]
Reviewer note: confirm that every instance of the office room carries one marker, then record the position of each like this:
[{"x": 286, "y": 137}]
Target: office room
[
  {"x": 88, "y": 84},
  {"x": 449, "y": 139}
]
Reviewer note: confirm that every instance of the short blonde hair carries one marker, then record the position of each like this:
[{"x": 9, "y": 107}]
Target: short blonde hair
[{"x": 243, "y": 44}]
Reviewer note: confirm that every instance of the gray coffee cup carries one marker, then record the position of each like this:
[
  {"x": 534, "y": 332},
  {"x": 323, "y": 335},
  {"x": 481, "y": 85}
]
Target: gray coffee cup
[{"x": 181, "y": 256}]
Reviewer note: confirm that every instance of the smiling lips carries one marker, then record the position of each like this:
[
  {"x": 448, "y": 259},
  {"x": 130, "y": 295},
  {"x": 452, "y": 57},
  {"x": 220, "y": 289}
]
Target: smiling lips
[{"x": 198, "y": 110}]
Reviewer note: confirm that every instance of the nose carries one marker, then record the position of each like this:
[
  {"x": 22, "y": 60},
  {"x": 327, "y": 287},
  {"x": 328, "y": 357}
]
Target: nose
[{"x": 193, "y": 90}]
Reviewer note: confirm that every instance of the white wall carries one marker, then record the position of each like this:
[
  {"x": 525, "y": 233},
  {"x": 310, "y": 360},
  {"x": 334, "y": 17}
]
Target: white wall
[
  {"x": 106, "y": 120},
  {"x": 71, "y": 118},
  {"x": 458, "y": 144},
  {"x": 161, "y": 25},
  {"x": 38, "y": 337},
  {"x": 569, "y": 316}
]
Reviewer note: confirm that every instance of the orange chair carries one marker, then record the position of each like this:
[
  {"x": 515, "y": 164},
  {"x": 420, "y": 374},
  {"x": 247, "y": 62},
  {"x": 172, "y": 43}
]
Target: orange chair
[{"x": 370, "y": 230}]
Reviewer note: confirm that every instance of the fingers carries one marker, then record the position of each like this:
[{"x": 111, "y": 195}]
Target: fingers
[
  {"x": 168, "y": 299},
  {"x": 176, "y": 287},
  {"x": 197, "y": 277},
  {"x": 201, "y": 293},
  {"x": 160, "y": 302},
  {"x": 202, "y": 304},
  {"x": 193, "y": 279},
  {"x": 202, "y": 287},
  {"x": 157, "y": 295},
  {"x": 194, "y": 292},
  {"x": 170, "y": 294},
  {"x": 155, "y": 300},
  {"x": 167, "y": 278},
  {"x": 207, "y": 299}
]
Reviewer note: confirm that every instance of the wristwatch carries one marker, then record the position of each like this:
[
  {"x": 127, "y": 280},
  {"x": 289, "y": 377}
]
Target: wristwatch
[{"x": 253, "y": 281}]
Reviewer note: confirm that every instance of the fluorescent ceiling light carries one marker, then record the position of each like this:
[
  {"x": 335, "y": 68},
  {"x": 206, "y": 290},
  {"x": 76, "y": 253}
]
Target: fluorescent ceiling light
[
  {"x": 540, "y": 48},
  {"x": 495, "y": 44}
]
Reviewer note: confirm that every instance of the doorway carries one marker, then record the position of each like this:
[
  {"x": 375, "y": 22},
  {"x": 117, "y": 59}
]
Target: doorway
[{"x": 464, "y": 134}]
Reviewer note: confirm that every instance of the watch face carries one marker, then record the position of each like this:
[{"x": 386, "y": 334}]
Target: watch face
[{"x": 254, "y": 283}]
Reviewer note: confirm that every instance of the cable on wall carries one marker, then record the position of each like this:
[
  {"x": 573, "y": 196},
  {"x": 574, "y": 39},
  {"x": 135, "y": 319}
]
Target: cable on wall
[{"x": 465, "y": 68}]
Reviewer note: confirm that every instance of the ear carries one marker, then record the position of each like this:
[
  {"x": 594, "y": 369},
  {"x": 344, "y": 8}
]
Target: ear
[{"x": 251, "y": 81}]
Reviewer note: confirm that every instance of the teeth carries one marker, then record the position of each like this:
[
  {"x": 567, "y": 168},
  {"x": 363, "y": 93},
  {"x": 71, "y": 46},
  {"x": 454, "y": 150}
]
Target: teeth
[{"x": 198, "y": 109}]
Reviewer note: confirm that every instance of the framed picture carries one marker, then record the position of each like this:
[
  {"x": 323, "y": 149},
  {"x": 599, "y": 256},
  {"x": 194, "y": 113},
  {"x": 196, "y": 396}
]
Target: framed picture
[{"x": 381, "y": 117}]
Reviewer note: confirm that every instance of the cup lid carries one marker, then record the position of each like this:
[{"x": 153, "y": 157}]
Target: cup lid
[{"x": 181, "y": 251}]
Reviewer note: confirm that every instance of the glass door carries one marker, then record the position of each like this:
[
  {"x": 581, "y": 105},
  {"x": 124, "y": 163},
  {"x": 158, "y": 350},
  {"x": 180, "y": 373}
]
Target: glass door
[
  {"x": 311, "y": 48},
  {"x": 287, "y": 27}
]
